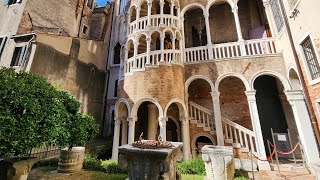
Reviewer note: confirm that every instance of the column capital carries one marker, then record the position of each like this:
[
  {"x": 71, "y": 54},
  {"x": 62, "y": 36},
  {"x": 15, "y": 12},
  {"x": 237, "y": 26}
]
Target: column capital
[
  {"x": 148, "y": 40},
  {"x": 266, "y": 3},
  {"x": 251, "y": 95},
  {"x": 117, "y": 119},
  {"x": 149, "y": 4},
  {"x": 235, "y": 9},
  {"x": 206, "y": 14},
  {"x": 162, "y": 38},
  {"x": 163, "y": 121},
  {"x": 161, "y": 3},
  {"x": 132, "y": 119},
  {"x": 215, "y": 94},
  {"x": 294, "y": 95}
]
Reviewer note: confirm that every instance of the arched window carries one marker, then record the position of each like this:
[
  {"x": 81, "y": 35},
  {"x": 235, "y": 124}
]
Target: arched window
[{"x": 116, "y": 55}]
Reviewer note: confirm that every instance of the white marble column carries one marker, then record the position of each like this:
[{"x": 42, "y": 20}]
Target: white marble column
[
  {"x": 163, "y": 127},
  {"x": 124, "y": 131},
  {"x": 217, "y": 117},
  {"x": 162, "y": 48},
  {"x": 209, "y": 45},
  {"x": 303, "y": 122},
  {"x": 135, "y": 53},
  {"x": 132, "y": 123},
  {"x": 152, "y": 121},
  {"x": 137, "y": 19},
  {"x": 149, "y": 13},
  {"x": 269, "y": 13},
  {"x": 161, "y": 12},
  {"x": 185, "y": 138},
  {"x": 173, "y": 40},
  {"x": 183, "y": 44},
  {"x": 251, "y": 96},
  {"x": 237, "y": 21},
  {"x": 148, "y": 51},
  {"x": 116, "y": 139}
]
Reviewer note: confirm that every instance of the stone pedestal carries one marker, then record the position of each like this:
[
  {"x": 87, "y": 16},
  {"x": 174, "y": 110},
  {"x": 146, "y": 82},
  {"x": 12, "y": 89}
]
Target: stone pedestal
[
  {"x": 219, "y": 162},
  {"x": 16, "y": 168},
  {"x": 152, "y": 164},
  {"x": 71, "y": 161}
]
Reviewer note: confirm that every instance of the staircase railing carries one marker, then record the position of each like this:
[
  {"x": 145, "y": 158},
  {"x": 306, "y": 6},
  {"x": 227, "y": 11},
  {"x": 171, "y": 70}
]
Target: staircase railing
[
  {"x": 201, "y": 115},
  {"x": 239, "y": 134}
]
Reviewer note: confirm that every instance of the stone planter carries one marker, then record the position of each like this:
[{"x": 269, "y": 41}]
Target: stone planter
[
  {"x": 152, "y": 164},
  {"x": 71, "y": 161},
  {"x": 16, "y": 168},
  {"x": 219, "y": 162}
]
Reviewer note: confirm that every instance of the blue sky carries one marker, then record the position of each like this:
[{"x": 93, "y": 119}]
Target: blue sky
[{"x": 102, "y": 2}]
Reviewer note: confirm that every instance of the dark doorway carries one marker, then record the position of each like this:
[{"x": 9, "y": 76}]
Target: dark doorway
[
  {"x": 172, "y": 131},
  {"x": 269, "y": 106}
]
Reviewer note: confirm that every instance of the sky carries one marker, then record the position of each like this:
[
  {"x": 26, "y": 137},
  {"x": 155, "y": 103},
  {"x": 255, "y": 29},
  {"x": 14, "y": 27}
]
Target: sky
[{"x": 102, "y": 2}]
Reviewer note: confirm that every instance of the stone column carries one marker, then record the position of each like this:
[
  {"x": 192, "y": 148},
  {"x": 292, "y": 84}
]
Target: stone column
[
  {"x": 173, "y": 49},
  {"x": 137, "y": 18},
  {"x": 116, "y": 135},
  {"x": 217, "y": 117},
  {"x": 178, "y": 135},
  {"x": 163, "y": 127},
  {"x": 302, "y": 118},
  {"x": 185, "y": 138},
  {"x": 148, "y": 51},
  {"x": 135, "y": 53},
  {"x": 209, "y": 45},
  {"x": 162, "y": 48},
  {"x": 269, "y": 13},
  {"x": 161, "y": 12},
  {"x": 132, "y": 123},
  {"x": 183, "y": 44},
  {"x": 124, "y": 131},
  {"x": 152, "y": 122},
  {"x": 149, "y": 13},
  {"x": 251, "y": 96},
  {"x": 237, "y": 21}
]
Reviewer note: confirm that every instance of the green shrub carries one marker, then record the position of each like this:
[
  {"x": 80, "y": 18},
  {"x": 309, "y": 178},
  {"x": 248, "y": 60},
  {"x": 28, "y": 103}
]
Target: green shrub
[
  {"x": 112, "y": 167},
  {"x": 92, "y": 163},
  {"x": 241, "y": 174},
  {"x": 195, "y": 166}
]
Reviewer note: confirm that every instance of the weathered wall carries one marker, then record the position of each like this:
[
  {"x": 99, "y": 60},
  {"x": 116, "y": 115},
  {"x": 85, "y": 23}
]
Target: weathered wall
[{"x": 83, "y": 80}]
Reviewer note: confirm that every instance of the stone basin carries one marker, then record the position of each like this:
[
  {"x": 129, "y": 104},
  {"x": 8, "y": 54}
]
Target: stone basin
[
  {"x": 152, "y": 164},
  {"x": 219, "y": 162}
]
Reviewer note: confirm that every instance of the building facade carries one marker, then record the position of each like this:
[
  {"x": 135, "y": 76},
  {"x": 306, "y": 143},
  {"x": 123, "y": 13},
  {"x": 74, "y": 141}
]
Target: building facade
[
  {"x": 212, "y": 72},
  {"x": 65, "y": 41}
]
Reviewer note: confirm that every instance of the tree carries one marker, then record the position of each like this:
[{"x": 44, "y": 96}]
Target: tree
[{"x": 32, "y": 112}]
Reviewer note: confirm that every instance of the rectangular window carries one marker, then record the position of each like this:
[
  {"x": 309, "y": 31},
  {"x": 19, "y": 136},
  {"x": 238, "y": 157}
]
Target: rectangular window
[
  {"x": 18, "y": 56},
  {"x": 3, "y": 41},
  {"x": 9, "y": 2},
  {"x": 277, "y": 14},
  {"x": 115, "y": 93},
  {"x": 90, "y": 4},
  {"x": 311, "y": 58}
]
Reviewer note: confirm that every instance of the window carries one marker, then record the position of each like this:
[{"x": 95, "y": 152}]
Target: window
[
  {"x": 18, "y": 56},
  {"x": 277, "y": 14},
  {"x": 90, "y": 4},
  {"x": 116, "y": 55},
  {"x": 311, "y": 58},
  {"x": 115, "y": 93},
  {"x": 85, "y": 29},
  {"x": 9, "y": 2},
  {"x": 3, "y": 41}
]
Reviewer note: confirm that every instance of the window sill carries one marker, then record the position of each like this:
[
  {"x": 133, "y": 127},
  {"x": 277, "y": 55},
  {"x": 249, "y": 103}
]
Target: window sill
[{"x": 314, "y": 82}]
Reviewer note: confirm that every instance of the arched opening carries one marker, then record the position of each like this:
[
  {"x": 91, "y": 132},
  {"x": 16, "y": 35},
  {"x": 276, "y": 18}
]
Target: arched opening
[
  {"x": 116, "y": 54},
  {"x": 144, "y": 9},
  {"x": 200, "y": 96},
  {"x": 274, "y": 110},
  {"x": 253, "y": 19},
  {"x": 178, "y": 39},
  {"x": 168, "y": 39},
  {"x": 200, "y": 142},
  {"x": 221, "y": 19},
  {"x": 155, "y": 41},
  {"x": 130, "y": 49},
  {"x": 233, "y": 101},
  {"x": 148, "y": 121},
  {"x": 174, "y": 112},
  {"x": 155, "y": 7},
  {"x": 133, "y": 14},
  {"x": 167, "y": 7},
  {"x": 195, "y": 28},
  {"x": 294, "y": 80},
  {"x": 172, "y": 131},
  {"x": 122, "y": 114},
  {"x": 142, "y": 47}
]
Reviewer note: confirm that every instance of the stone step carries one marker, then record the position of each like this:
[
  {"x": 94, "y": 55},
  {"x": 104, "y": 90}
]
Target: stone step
[{"x": 245, "y": 164}]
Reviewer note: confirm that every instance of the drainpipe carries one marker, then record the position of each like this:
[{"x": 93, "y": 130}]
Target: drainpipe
[{"x": 304, "y": 85}]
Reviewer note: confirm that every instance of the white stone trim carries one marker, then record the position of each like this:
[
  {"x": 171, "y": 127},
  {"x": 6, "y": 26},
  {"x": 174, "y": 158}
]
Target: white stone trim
[
  {"x": 232, "y": 74},
  {"x": 195, "y": 77},
  {"x": 181, "y": 105},
  {"x": 275, "y": 74},
  {"x": 116, "y": 106},
  {"x": 137, "y": 104}
]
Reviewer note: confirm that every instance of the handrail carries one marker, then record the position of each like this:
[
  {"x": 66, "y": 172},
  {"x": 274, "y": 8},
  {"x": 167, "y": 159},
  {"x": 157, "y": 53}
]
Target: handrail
[
  {"x": 238, "y": 126},
  {"x": 200, "y": 107}
]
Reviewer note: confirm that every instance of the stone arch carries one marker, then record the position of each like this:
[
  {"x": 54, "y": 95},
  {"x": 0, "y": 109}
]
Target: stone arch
[
  {"x": 185, "y": 9},
  {"x": 130, "y": 13},
  {"x": 175, "y": 121},
  {"x": 177, "y": 34},
  {"x": 136, "y": 106},
  {"x": 294, "y": 79},
  {"x": 212, "y": 2},
  {"x": 139, "y": 35},
  {"x": 194, "y": 139},
  {"x": 277, "y": 75},
  {"x": 192, "y": 78},
  {"x": 241, "y": 77},
  {"x": 118, "y": 103},
  {"x": 181, "y": 105},
  {"x": 141, "y": 2},
  {"x": 170, "y": 32}
]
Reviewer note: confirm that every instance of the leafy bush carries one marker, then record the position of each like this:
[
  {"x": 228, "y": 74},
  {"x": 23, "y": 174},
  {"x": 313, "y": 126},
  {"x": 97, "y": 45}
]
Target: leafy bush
[
  {"x": 91, "y": 163},
  {"x": 195, "y": 166},
  {"x": 241, "y": 174},
  {"x": 32, "y": 112},
  {"x": 112, "y": 167}
]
